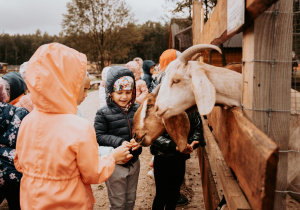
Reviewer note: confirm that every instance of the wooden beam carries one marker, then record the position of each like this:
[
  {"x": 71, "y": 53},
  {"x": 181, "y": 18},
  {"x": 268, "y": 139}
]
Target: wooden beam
[
  {"x": 249, "y": 153},
  {"x": 197, "y": 21},
  {"x": 267, "y": 48},
  {"x": 234, "y": 196},
  {"x": 210, "y": 192},
  {"x": 215, "y": 29}
]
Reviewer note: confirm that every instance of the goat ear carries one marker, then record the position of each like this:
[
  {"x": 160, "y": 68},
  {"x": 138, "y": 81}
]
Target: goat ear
[
  {"x": 178, "y": 127},
  {"x": 204, "y": 91}
]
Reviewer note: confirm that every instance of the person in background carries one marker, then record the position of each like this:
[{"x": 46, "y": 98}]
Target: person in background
[
  {"x": 25, "y": 100},
  {"x": 10, "y": 120},
  {"x": 56, "y": 150},
  {"x": 15, "y": 87},
  {"x": 113, "y": 125},
  {"x": 102, "y": 86},
  {"x": 148, "y": 67},
  {"x": 140, "y": 62},
  {"x": 141, "y": 87},
  {"x": 166, "y": 149},
  {"x": 86, "y": 86},
  {"x": 169, "y": 164}
]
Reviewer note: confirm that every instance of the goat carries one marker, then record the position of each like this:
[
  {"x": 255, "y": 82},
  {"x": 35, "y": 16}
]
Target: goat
[
  {"x": 189, "y": 82},
  {"x": 147, "y": 126}
]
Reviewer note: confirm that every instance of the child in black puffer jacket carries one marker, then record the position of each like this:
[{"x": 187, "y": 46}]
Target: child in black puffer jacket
[
  {"x": 169, "y": 163},
  {"x": 113, "y": 125}
]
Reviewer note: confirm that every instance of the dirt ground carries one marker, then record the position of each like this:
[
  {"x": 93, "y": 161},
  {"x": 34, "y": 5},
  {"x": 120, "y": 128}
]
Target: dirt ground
[{"x": 146, "y": 186}]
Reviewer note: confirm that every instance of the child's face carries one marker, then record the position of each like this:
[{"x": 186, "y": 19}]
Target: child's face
[
  {"x": 83, "y": 90},
  {"x": 122, "y": 97},
  {"x": 152, "y": 69}
]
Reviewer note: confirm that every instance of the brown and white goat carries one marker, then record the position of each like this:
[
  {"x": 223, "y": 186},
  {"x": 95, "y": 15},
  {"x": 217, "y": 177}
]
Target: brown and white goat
[
  {"x": 189, "y": 82},
  {"x": 147, "y": 126}
]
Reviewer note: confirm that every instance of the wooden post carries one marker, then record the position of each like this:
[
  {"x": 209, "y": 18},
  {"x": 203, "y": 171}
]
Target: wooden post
[
  {"x": 267, "y": 47},
  {"x": 197, "y": 6}
]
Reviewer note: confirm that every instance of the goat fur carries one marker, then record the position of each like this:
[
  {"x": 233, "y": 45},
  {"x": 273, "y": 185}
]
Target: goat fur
[{"x": 190, "y": 82}]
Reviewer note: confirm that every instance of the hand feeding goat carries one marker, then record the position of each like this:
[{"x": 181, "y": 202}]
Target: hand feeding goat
[{"x": 189, "y": 82}]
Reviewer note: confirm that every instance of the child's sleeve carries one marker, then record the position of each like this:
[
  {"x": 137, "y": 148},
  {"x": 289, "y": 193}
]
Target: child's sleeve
[
  {"x": 101, "y": 127},
  {"x": 93, "y": 169}
]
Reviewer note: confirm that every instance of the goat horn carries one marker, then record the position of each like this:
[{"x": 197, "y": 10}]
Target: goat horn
[
  {"x": 190, "y": 52},
  {"x": 156, "y": 89}
]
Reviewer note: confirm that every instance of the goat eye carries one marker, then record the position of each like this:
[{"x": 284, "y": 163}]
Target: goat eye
[
  {"x": 149, "y": 106},
  {"x": 175, "y": 81}
]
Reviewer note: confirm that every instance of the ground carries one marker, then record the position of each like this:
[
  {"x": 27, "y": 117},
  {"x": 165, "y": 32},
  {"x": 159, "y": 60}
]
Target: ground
[{"x": 146, "y": 186}]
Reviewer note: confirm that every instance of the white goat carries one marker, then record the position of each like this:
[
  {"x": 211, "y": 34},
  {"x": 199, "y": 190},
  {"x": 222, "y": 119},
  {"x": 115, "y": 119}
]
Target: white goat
[{"x": 189, "y": 82}]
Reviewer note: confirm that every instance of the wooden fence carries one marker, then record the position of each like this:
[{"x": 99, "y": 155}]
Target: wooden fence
[{"x": 244, "y": 140}]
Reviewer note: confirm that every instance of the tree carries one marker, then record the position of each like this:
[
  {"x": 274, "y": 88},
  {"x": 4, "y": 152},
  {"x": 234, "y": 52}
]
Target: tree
[
  {"x": 100, "y": 24},
  {"x": 184, "y": 7}
]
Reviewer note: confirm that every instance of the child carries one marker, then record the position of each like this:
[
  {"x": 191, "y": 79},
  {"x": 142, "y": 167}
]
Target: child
[
  {"x": 102, "y": 87},
  {"x": 10, "y": 120},
  {"x": 141, "y": 87},
  {"x": 113, "y": 124},
  {"x": 148, "y": 67},
  {"x": 56, "y": 150},
  {"x": 86, "y": 86},
  {"x": 25, "y": 100},
  {"x": 15, "y": 86}
]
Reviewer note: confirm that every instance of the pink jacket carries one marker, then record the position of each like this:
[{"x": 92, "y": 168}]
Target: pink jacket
[
  {"x": 57, "y": 151},
  {"x": 141, "y": 87}
]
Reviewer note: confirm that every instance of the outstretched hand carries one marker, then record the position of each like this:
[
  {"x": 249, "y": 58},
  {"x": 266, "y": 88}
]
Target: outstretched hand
[
  {"x": 189, "y": 147},
  {"x": 134, "y": 144},
  {"x": 121, "y": 154}
]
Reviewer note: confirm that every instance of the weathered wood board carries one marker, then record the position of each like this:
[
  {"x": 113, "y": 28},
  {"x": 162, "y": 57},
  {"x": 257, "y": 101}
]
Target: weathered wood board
[{"x": 251, "y": 155}]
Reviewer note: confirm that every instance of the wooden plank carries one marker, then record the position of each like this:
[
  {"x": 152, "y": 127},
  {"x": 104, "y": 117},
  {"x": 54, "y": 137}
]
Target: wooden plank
[
  {"x": 210, "y": 192},
  {"x": 249, "y": 153},
  {"x": 197, "y": 22},
  {"x": 233, "y": 194},
  {"x": 215, "y": 29},
  {"x": 267, "y": 85}
]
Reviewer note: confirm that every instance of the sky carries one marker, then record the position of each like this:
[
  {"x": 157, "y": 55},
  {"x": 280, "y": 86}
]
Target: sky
[{"x": 26, "y": 16}]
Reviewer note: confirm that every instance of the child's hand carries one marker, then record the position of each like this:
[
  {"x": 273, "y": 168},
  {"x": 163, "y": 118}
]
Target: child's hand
[
  {"x": 122, "y": 153},
  {"x": 189, "y": 147},
  {"x": 126, "y": 144},
  {"x": 134, "y": 144}
]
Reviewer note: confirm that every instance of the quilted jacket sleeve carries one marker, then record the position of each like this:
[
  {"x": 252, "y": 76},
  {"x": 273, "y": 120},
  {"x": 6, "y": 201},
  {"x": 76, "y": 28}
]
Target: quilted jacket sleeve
[{"x": 101, "y": 127}]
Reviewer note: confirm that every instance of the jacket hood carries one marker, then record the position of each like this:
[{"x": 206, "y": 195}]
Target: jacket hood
[
  {"x": 113, "y": 74},
  {"x": 54, "y": 75},
  {"x": 167, "y": 57},
  {"x": 16, "y": 83},
  {"x": 147, "y": 65}
]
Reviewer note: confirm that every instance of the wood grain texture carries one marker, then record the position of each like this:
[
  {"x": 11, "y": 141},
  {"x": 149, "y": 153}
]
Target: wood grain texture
[
  {"x": 215, "y": 29},
  {"x": 267, "y": 84},
  {"x": 251, "y": 155},
  {"x": 210, "y": 193},
  {"x": 233, "y": 193}
]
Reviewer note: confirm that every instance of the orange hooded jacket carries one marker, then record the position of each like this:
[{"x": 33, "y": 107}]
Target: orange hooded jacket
[{"x": 56, "y": 150}]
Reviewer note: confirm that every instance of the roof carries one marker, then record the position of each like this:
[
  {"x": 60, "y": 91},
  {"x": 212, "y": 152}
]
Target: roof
[{"x": 234, "y": 42}]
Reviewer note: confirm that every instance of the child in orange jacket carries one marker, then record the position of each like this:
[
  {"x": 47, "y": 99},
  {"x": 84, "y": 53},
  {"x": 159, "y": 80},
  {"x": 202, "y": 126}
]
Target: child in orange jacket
[{"x": 56, "y": 150}]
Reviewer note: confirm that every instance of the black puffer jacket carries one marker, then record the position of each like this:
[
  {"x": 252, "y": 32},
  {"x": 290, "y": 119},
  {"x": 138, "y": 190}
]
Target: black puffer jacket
[
  {"x": 113, "y": 126},
  {"x": 165, "y": 146}
]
